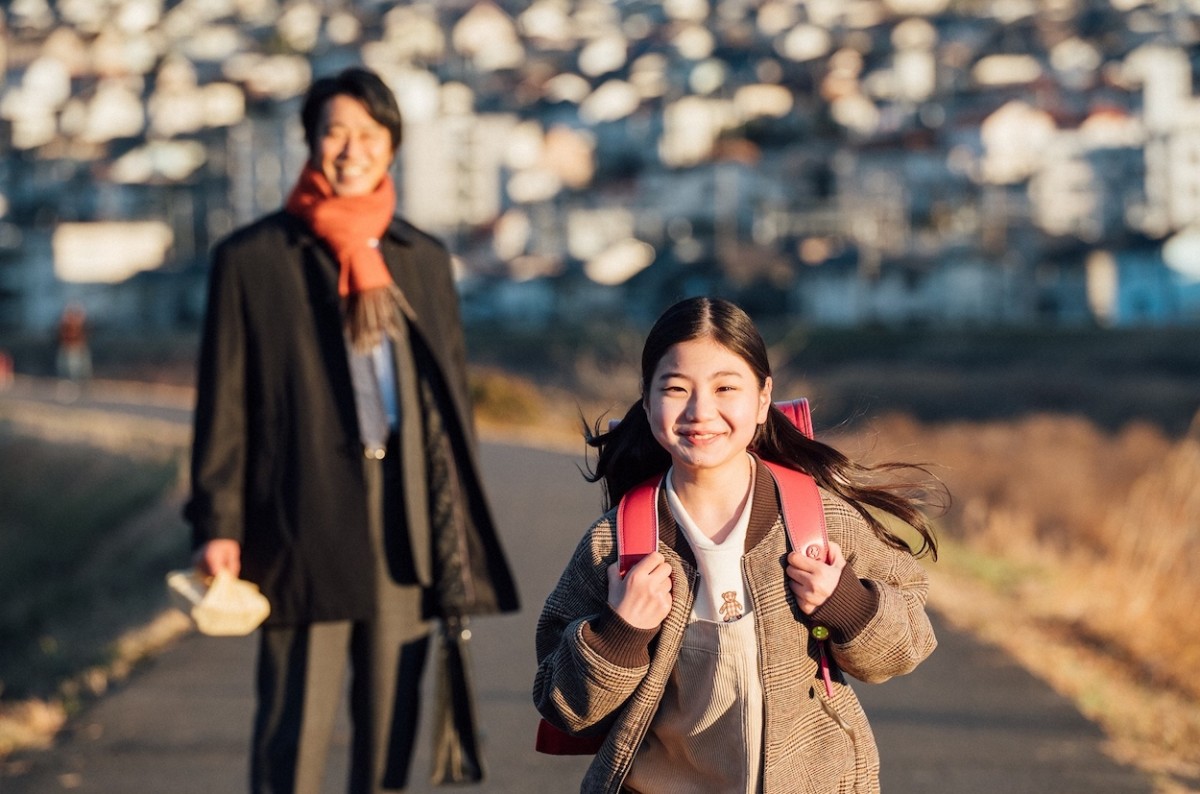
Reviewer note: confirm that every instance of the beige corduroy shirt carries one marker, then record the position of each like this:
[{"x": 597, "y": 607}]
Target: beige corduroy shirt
[{"x": 597, "y": 674}]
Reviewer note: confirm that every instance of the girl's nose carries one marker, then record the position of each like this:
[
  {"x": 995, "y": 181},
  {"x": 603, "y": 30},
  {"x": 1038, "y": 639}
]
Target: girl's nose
[{"x": 699, "y": 406}]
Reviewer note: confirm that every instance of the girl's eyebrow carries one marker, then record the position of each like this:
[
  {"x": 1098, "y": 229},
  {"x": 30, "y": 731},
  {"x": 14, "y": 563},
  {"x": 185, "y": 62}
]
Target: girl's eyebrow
[{"x": 715, "y": 375}]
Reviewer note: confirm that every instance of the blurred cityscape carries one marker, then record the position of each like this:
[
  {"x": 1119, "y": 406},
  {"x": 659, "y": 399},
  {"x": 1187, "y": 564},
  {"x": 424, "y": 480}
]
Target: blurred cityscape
[{"x": 842, "y": 162}]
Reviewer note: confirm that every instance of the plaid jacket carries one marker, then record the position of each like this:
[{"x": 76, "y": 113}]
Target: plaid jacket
[{"x": 596, "y": 673}]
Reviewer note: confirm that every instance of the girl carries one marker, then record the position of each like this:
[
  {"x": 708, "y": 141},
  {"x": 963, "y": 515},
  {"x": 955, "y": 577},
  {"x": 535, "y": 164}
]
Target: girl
[{"x": 699, "y": 664}]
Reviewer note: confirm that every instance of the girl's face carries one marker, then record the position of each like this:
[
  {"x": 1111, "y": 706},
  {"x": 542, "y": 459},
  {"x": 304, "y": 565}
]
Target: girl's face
[{"x": 704, "y": 405}]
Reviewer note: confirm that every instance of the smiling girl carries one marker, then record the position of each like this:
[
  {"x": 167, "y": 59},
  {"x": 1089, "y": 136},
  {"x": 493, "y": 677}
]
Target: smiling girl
[{"x": 699, "y": 665}]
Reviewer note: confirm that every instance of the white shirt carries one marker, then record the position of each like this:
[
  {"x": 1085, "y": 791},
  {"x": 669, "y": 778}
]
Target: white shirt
[{"x": 721, "y": 596}]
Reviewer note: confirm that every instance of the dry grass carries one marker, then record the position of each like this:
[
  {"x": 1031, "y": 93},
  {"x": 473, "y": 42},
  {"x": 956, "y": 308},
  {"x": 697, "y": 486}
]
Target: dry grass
[
  {"x": 1074, "y": 549},
  {"x": 512, "y": 409}
]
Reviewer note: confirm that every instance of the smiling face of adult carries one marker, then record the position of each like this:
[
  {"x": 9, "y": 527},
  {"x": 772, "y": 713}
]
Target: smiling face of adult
[
  {"x": 352, "y": 149},
  {"x": 353, "y": 127}
]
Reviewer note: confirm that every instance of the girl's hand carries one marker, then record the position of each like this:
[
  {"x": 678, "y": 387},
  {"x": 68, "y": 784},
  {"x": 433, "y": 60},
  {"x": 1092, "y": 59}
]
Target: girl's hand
[
  {"x": 643, "y": 597},
  {"x": 813, "y": 581}
]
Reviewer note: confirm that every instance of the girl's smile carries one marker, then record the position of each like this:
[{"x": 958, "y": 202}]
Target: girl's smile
[{"x": 704, "y": 405}]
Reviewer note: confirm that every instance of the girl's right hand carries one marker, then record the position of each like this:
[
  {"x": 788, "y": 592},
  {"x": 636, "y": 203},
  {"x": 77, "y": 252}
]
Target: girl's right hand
[{"x": 643, "y": 597}]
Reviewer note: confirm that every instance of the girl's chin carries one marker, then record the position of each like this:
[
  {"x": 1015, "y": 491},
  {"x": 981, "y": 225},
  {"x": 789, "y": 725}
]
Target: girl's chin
[{"x": 700, "y": 459}]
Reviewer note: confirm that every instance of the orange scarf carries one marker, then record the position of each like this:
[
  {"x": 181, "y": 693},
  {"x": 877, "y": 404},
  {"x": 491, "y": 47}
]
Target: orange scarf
[{"x": 350, "y": 225}]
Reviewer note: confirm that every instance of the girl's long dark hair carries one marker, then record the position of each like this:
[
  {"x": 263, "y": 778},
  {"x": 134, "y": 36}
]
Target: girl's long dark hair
[{"x": 628, "y": 453}]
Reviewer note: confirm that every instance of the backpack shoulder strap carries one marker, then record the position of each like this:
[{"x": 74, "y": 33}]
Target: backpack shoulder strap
[
  {"x": 799, "y": 499},
  {"x": 803, "y": 513},
  {"x": 637, "y": 523}
]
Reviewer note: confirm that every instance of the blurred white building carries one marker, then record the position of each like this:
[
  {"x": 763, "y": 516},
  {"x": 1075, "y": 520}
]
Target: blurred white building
[
  {"x": 452, "y": 170},
  {"x": 1172, "y": 119},
  {"x": 1014, "y": 138}
]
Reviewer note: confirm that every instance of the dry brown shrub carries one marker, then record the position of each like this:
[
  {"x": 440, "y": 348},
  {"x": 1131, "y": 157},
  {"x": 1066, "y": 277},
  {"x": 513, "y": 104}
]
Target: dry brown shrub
[
  {"x": 1100, "y": 534},
  {"x": 1144, "y": 582},
  {"x": 1049, "y": 480}
]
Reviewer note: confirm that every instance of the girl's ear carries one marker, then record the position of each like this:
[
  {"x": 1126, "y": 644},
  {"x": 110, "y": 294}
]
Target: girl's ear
[{"x": 764, "y": 400}]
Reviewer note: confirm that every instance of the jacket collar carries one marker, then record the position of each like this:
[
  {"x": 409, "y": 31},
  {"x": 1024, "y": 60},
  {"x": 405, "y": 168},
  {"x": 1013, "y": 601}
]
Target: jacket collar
[
  {"x": 402, "y": 231},
  {"x": 764, "y": 512}
]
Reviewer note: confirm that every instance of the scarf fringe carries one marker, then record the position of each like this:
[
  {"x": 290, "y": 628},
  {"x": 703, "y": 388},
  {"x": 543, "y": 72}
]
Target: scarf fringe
[{"x": 373, "y": 313}]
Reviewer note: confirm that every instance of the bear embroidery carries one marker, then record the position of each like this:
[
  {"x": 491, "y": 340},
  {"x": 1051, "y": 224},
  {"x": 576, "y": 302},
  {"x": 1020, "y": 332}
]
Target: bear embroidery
[{"x": 731, "y": 610}]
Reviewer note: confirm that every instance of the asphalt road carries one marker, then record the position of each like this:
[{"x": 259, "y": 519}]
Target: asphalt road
[{"x": 968, "y": 720}]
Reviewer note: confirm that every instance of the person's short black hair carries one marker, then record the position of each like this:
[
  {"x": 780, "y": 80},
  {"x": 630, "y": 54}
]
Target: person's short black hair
[{"x": 362, "y": 84}]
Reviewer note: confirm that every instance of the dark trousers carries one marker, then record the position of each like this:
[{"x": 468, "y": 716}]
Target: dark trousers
[{"x": 301, "y": 678}]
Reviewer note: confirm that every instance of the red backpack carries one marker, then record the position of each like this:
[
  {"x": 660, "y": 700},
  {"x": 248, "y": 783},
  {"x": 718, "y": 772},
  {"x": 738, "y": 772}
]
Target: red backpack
[{"x": 637, "y": 536}]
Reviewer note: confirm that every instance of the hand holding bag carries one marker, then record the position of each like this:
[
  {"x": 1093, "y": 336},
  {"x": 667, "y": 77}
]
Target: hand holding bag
[
  {"x": 456, "y": 757},
  {"x": 220, "y": 606}
]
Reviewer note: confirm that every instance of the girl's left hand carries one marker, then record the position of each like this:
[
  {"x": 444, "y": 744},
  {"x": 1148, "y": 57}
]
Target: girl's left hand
[{"x": 813, "y": 581}]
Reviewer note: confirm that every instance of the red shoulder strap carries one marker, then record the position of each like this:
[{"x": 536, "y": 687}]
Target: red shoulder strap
[
  {"x": 637, "y": 523},
  {"x": 800, "y": 501},
  {"x": 803, "y": 514}
]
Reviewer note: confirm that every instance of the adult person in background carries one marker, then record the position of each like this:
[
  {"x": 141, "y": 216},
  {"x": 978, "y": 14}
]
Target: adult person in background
[{"x": 334, "y": 461}]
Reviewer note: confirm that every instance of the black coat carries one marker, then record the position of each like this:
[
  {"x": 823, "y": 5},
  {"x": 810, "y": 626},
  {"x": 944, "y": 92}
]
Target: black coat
[{"x": 277, "y": 461}]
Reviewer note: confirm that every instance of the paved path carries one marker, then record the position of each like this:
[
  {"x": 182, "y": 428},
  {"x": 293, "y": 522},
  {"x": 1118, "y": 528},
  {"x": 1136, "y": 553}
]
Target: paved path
[{"x": 968, "y": 720}]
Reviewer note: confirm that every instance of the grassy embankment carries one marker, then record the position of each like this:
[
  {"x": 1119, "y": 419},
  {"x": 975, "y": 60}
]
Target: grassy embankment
[
  {"x": 85, "y": 537},
  {"x": 1075, "y": 550},
  {"x": 1076, "y": 520}
]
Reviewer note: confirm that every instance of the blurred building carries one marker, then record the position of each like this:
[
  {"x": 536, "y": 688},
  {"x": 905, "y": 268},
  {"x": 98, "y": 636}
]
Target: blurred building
[{"x": 841, "y": 163}]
